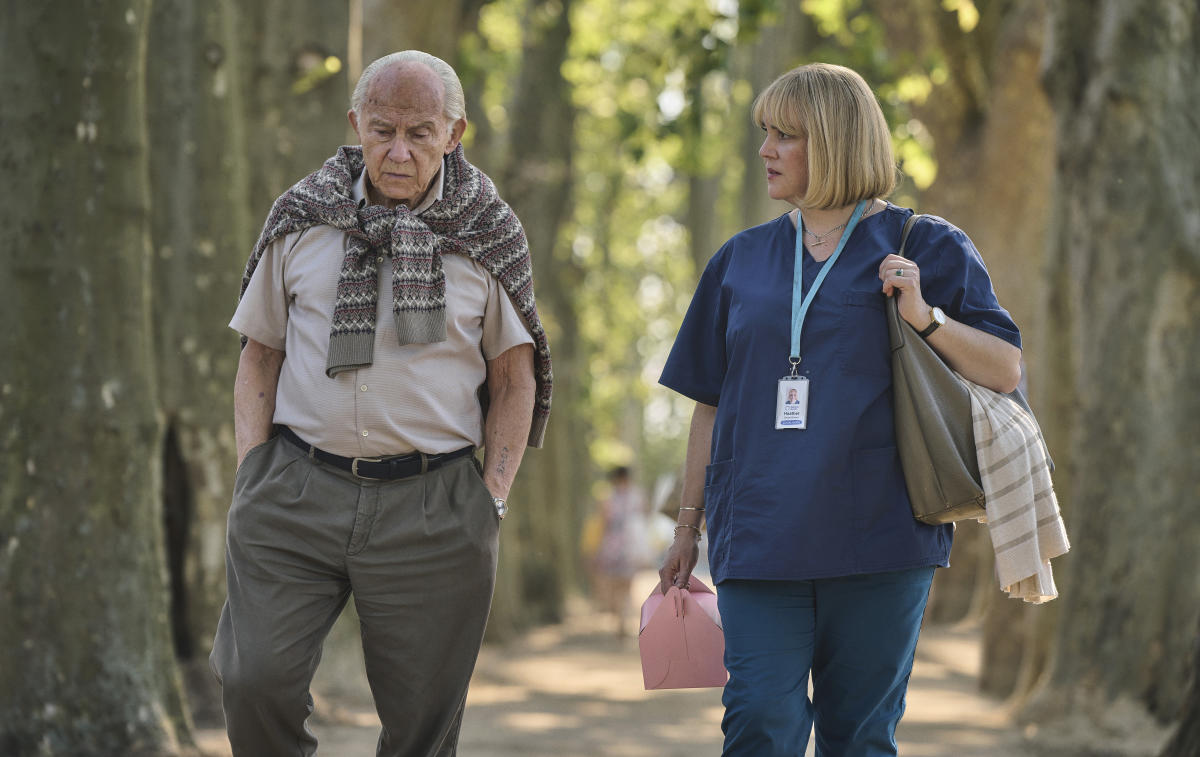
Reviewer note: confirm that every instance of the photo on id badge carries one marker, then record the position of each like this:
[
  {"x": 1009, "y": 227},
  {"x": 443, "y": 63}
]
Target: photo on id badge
[{"x": 791, "y": 403}]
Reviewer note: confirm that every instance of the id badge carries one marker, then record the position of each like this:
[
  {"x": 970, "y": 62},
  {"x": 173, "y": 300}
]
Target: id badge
[{"x": 791, "y": 403}]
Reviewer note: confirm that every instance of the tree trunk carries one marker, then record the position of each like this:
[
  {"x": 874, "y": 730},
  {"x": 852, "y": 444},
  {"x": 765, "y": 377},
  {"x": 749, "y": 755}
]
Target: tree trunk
[
  {"x": 436, "y": 28},
  {"x": 993, "y": 143},
  {"x": 539, "y": 547},
  {"x": 234, "y": 107},
  {"x": 774, "y": 50},
  {"x": 1122, "y": 77},
  {"x": 1186, "y": 742},
  {"x": 1016, "y": 160},
  {"x": 296, "y": 96},
  {"x": 201, "y": 230},
  {"x": 87, "y": 666},
  {"x": 703, "y": 197},
  {"x": 703, "y": 177}
]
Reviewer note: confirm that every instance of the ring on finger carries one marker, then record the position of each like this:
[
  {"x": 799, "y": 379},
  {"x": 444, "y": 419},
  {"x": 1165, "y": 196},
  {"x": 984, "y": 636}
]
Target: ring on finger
[{"x": 899, "y": 271}]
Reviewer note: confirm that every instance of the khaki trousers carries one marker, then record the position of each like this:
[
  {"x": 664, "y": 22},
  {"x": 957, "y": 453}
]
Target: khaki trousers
[{"x": 417, "y": 554}]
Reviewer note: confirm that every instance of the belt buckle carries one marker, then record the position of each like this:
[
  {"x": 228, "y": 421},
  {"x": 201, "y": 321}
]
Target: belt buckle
[{"x": 354, "y": 466}]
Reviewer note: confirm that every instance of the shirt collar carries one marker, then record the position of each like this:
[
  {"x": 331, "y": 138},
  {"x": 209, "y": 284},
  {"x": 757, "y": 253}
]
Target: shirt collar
[{"x": 359, "y": 190}]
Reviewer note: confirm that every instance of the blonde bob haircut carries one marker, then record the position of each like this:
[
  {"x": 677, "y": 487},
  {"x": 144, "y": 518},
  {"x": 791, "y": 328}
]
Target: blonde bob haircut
[{"x": 849, "y": 146}]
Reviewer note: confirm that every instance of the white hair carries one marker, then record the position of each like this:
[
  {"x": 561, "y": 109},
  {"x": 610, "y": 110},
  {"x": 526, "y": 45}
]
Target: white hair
[{"x": 454, "y": 103}]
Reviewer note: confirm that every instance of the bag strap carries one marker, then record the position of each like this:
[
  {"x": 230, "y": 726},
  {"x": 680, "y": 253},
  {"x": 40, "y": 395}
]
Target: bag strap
[
  {"x": 893, "y": 308},
  {"x": 904, "y": 233},
  {"x": 893, "y": 313}
]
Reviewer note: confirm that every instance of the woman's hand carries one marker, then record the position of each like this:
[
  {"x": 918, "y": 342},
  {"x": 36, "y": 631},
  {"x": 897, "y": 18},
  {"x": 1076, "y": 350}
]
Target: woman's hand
[
  {"x": 901, "y": 278},
  {"x": 681, "y": 560},
  {"x": 979, "y": 356}
]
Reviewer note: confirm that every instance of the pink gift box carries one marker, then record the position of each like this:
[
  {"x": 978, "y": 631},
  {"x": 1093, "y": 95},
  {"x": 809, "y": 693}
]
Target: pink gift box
[{"x": 681, "y": 641}]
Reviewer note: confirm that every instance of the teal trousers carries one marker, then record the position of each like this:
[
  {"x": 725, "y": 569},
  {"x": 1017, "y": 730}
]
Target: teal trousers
[{"x": 856, "y": 635}]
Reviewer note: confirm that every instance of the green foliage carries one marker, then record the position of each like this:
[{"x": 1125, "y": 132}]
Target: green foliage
[
  {"x": 314, "y": 70},
  {"x": 852, "y": 36}
]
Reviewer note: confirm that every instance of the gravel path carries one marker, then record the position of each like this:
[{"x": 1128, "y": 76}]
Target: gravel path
[{"x": 575, "y": 690}]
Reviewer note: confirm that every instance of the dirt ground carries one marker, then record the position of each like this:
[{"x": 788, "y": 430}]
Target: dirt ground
[{"x": 575, "y": 690}]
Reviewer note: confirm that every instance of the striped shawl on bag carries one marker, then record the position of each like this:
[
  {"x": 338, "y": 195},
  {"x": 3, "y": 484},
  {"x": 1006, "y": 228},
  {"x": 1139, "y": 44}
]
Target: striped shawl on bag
[{"x": 1023, "y": 518}]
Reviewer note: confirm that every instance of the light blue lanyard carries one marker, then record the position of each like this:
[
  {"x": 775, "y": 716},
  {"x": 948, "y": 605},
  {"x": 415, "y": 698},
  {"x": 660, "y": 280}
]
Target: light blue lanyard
[{"x": 800, "y": 309}]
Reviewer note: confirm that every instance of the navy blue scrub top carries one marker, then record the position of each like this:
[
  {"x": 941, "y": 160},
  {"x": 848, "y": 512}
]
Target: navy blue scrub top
[{"x": 828, "y": 500}]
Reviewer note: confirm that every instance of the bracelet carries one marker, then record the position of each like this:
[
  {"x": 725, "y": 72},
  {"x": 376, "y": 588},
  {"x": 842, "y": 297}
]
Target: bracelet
[
  {"x": 688, "y": 525},
  {"x": 696, "y": 509}
]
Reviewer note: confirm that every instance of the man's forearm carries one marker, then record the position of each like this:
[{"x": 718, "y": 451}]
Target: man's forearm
[
  {"x": 254, "y": 395},
  {"x": 511, "y": 387}
]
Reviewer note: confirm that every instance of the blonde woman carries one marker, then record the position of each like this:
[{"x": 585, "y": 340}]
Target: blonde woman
[{"x": 820, "y": 567}]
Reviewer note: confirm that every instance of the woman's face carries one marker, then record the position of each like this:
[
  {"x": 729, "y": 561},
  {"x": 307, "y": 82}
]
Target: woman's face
[{"x": 786, "y": 159}]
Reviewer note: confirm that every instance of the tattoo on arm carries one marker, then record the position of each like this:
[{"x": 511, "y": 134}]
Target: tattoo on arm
[{"x": 502, "y": 463}]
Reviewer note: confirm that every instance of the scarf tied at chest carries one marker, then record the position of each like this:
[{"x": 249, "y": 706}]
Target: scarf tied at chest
[{"x": 470, "y": 220}]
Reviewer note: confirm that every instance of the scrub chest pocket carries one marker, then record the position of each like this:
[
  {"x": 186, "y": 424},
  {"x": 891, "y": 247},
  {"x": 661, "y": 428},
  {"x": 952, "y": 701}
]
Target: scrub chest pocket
[{"x": 863, "y": 346}]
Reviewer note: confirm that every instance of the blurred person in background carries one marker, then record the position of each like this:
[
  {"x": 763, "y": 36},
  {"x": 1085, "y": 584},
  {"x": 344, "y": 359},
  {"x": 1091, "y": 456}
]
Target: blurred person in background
[
  {"x": 623, "y": 546},
  {"x": 388, "y": 291},
  {"x": 820, "y": 567}
]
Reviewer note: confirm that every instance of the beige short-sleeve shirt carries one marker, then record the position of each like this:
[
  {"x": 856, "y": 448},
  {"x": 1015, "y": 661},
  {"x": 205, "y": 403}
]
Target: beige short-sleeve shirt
[{"x": 413, "y": 397}]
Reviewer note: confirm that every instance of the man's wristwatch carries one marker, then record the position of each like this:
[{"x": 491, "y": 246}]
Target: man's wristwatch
[
  {"x": 501, "y": 507},
  {"x": 936, "y": 318}
]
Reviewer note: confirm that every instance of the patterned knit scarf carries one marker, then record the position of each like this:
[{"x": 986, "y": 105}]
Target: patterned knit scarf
[{"x": 470, "y": 220}]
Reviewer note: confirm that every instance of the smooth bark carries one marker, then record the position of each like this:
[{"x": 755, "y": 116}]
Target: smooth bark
[
  {"x": 200, "y": 230},
  {"x": 771, "y": 52},
  {"x": 295, "y": 91},
  {"x": 1126, "y": 267},
  {"x": 1186, "y": 741},
  {"x": 538, "y": 541},
  {"x": 436, "y": 28},
  {"x": 86, "y": 663},
  {"x": 993, "y": 140}
]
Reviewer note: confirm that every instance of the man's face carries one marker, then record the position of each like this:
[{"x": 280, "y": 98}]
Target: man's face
[{"x": 404, "y": 133}]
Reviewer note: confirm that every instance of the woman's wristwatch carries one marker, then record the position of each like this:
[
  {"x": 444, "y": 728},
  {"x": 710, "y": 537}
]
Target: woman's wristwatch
[
  {"x": 936, "y": 318},
  {"x": 501, "y": 507}
]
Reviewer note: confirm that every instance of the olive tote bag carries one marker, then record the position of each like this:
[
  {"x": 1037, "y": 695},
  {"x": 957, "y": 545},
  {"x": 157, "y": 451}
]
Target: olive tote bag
[{"x": 934, "y": 431}]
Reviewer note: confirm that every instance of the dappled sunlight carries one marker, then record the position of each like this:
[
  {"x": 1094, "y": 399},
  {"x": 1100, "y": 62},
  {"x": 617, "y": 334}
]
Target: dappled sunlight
[
  {"x": 932, "y": 672},
  {"x": 147, "y": 143},
  {"x": 491, "y": 694},
  {"x": 536, "y": 722},
  {"x": 948, "y": 743},
  {"x": 583, "y": 675},
  {"x": 575, "y": 690},
  {"x": 944, "y": 694}
]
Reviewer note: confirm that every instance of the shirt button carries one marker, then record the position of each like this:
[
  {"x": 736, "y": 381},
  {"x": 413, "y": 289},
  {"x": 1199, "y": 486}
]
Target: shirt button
[
  {"x": 363, "y": 387},
  {"x": 364, "y": 432},
  {"x": 379, "y": 259}
]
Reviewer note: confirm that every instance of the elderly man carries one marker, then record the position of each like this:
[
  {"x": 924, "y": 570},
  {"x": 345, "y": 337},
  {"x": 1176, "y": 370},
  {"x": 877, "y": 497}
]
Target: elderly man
[{"x": 389, "y": 329}]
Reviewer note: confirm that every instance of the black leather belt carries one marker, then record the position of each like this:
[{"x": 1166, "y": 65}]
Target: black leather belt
[{"x": 378, "y": 468}]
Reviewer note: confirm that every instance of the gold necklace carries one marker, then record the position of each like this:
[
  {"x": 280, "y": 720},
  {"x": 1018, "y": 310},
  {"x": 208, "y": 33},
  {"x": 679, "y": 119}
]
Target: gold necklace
[{"x": 820, "y": 239}]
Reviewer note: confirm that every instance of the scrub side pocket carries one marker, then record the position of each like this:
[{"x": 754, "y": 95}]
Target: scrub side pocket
[{"x": 718, "y": 510}]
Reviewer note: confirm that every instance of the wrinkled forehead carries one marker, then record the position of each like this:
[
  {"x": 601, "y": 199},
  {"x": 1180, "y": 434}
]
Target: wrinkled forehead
[{"x": 406, "y": 89}]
